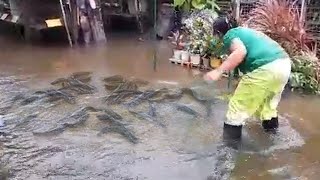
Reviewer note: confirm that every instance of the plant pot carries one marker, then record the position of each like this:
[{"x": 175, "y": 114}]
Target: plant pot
[
  {"x": 177, "y": 54},
  {"x": 185, "y": 56},
  {"x": 195, "y": 59},
  {"x": 215, "y": 62},
  {"x": 206, "y": 62}
]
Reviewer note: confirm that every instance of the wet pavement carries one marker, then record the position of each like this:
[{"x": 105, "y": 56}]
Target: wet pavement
[{"x": 52, "y": 131}]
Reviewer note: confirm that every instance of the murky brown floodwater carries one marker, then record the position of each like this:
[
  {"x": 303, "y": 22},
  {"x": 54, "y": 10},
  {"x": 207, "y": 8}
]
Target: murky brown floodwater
[{"x": 187, "y": 148}]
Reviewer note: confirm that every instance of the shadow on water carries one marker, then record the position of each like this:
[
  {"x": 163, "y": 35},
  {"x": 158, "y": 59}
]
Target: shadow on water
[{"x": 152, "y": 130}]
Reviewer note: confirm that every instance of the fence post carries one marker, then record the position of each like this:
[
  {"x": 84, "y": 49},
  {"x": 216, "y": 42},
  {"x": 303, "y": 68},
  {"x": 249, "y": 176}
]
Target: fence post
[
  {"x": 303, "y": 11},
  {"x": 237, "y": 4}
]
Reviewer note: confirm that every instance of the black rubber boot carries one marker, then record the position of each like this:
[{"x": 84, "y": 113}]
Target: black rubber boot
[
  {"x": 270, "y": 125},
  {"x": 232, "y": 135}
]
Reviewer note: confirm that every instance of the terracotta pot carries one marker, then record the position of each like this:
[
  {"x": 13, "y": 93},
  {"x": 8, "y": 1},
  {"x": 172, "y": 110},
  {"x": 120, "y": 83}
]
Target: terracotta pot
[
  {"x": 195, "y": 59},
  {"x": 215, "y": 62}
]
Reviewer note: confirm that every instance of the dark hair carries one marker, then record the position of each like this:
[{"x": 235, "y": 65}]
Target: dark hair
[{"x": 222, "y": 25}]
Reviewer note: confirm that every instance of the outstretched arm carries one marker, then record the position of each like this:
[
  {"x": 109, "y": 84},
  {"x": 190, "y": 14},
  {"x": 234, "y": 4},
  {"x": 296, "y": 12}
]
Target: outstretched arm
[{"x": 238, "y": 53}]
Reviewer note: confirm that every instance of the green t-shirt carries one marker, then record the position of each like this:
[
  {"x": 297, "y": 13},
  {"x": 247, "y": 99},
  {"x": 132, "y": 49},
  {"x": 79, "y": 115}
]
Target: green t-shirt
[{"x": 261, "y": 49}]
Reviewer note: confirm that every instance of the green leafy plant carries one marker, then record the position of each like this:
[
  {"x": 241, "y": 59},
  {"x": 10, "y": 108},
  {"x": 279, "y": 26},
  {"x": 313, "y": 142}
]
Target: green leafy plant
[
  {"x": 216, "y": 47},
  {"x": 305, "y": 74},
  {"x": 188, "y": 5},
  {"x": 177, "y": 40},
  {"x": 280, "y": 19},
  {"x": 199, "y": 28}
]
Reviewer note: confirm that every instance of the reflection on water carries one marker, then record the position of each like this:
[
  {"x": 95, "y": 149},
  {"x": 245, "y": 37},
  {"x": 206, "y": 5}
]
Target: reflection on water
[{"x": 189, "y": 148}]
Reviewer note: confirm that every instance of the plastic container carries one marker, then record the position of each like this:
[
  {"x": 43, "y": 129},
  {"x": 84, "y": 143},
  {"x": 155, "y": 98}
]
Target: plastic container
[
  {"x": 195, "y": 59},
  {"x": 185, "y": 56},
  {"x": 177, "y": 54},
  {"x": 206, "y": 62},
  {"x": 215, "y": 62}
]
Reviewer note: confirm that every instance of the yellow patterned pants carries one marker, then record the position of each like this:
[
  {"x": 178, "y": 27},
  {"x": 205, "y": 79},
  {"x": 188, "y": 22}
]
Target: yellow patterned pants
[{"x": 259, "y": 93}]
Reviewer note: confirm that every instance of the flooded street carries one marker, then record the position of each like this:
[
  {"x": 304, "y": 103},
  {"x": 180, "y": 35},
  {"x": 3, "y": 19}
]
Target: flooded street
[{"x": 90, "y": 134}]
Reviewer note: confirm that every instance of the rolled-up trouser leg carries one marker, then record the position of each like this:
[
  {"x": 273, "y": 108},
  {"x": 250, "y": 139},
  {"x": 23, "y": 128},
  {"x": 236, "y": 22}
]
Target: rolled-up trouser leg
[{"x": 259, "y": 93}]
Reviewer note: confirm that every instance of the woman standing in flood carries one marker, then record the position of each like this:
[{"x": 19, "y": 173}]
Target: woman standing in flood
[{"x": 266, "y": 67}]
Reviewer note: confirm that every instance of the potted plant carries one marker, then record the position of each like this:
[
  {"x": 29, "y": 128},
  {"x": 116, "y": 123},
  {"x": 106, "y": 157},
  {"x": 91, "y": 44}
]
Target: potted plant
[
  {"x": 185, "y": 56},
  {"x": 199, "y": 27},
  {"x": 216, "y": 52},
  {"x": 195, "y": 59},
  {"x": 178, "y": 50},
  {"x": 215, "y": 62},
  {"x": 194, "y": 50}
]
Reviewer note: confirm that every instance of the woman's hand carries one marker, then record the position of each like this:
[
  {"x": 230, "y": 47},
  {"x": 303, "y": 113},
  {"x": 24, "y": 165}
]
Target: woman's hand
[{"x": 213, "y": 75}]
